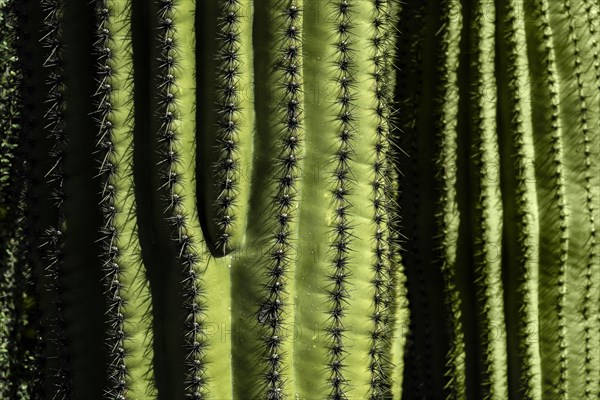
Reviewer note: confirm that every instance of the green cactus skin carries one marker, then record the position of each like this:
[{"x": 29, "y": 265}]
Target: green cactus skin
[{"x": 302, "y": 199}]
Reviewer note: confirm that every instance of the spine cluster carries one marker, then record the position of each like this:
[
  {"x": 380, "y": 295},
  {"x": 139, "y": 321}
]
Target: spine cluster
[
  {"x": 272, "y": 309},
  {"x": 179, "y": 218}
]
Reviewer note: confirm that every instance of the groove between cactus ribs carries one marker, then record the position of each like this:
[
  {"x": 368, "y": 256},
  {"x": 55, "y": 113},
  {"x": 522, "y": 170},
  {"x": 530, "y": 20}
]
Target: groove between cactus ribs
[
  {"x": 520, "y": 227},
  {"x": 54, "y": 126},
  {"x": 428, "y": 239},
  {"x": 487, "y": 225},
  {"x": 410, "y": 96},
  {"x": 36, "y": 216},
  {"x": 129, "y": 334}
]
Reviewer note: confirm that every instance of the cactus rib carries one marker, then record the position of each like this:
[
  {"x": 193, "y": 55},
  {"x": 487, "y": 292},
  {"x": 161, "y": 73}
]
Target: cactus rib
[
  {"x": 176, "y": 138},
  {"x": 227, "y": 168},
  {"x": 341, "y": 231},
  {"x": 553, "y": 217},
  {"x": 446, "y": 112},
  {"x": 487, "y": 206},
  {"x": 274, "y": 305},
  {"x": 128, "y": 339},
  {"x": 521, "y": 218}
]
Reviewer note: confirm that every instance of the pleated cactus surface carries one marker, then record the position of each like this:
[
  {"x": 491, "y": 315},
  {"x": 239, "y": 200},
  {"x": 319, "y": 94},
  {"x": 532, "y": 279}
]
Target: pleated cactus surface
[{"x": 300, "y": 199}]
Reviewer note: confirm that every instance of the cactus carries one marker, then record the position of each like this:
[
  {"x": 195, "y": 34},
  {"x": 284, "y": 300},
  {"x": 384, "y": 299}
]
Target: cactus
[{"x": 307, "y": 199}]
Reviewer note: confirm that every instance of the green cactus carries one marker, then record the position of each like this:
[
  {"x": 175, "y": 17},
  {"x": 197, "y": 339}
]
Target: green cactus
[{"x": 345, "y": 199}]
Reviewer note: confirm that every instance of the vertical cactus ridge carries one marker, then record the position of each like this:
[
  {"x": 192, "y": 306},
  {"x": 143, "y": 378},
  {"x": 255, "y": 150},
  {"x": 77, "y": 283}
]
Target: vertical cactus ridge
[
  {"x": 226, "y": 120},
  {"x": 447, "y": 216},
  {"x": 486, "y": 205},
  {"x": 592, "y": 13},
  {"x": 126, "y": 290},
  {"x": 54, "y": 122},
  {"x": 521, "y": 217},
  {"x": 398, "y": 314},
  {"x": 227, "y": 168},
  {"x": 177, "y": 139},
  {"x": 341, "y": 176},
  {"x": 118, "y": 370},
  {"x": 380, "y": 53},
  {"x": 593, "y": 21},
  {"x": 554, "y": 245},
  {"x": 275, "y": 313},
  {"x": 395, "y": 284},
  {"x": 585, "y": 118}
]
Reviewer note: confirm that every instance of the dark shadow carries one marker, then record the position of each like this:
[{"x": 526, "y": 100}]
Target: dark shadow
[
  {"x": 158, "y": 250},
  {"x": 207, "y": 153}
]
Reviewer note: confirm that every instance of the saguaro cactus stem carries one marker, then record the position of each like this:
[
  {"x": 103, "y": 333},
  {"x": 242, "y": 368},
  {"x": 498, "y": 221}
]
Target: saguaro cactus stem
[{"x": 299, "y": 199}]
